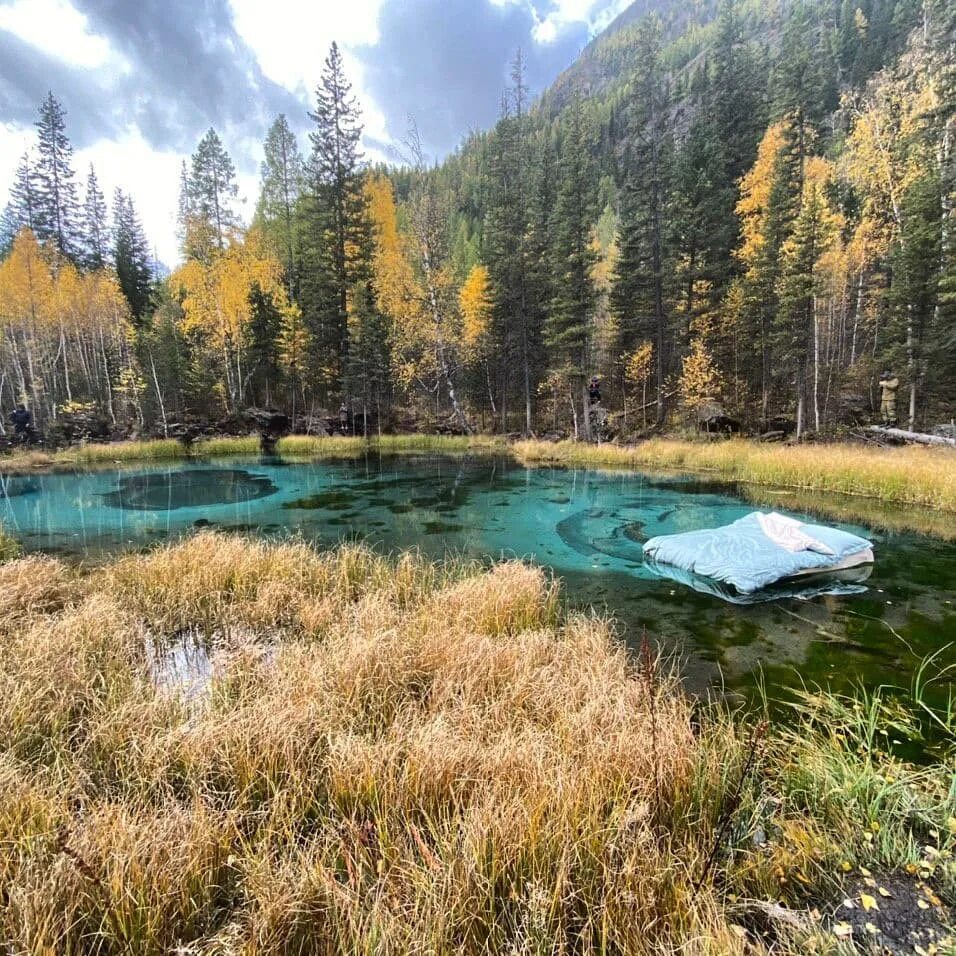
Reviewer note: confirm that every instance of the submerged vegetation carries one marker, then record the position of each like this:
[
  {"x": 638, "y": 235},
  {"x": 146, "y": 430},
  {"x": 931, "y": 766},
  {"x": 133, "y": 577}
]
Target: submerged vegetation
[
  {"x": 413, "y": 757},
  {"x": 869, "y": 479}
]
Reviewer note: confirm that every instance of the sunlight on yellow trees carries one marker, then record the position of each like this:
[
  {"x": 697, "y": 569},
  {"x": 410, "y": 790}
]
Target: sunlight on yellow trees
[
  {"x": 886, "y": 149},
  {"x": 65, "y": 333},
  {"x": 638, "y": 366},
  {"x": 700, "y": 381},
  {"x": 817, "y": 210},
  {"x": 475, "y": 302},
  {"x": 397, "y": 289},
  {"x": 214, "y": 294},
  {"x": 422, "y": 346},
  {"x": 755, "y": 194}
]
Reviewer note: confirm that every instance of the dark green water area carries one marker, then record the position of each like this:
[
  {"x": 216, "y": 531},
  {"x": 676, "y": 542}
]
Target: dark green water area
[{"x": 587, "y": 526}]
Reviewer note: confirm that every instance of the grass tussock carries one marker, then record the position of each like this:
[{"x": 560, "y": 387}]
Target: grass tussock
[
  {"x": 315, "y": 446},
  {"x": 342, "y": 446},
  {"x": 909, "y": 475},
  {"x": 311, "y": 446},
  {"x": 400, "y": 757},
  {"x": 225, "y": 445}
]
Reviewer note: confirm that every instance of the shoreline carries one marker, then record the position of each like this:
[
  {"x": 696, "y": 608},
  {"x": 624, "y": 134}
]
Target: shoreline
[{"x": 902, "y": 489}]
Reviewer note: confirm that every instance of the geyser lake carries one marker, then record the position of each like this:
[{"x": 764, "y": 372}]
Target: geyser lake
[{"x": 585, "y": 525}]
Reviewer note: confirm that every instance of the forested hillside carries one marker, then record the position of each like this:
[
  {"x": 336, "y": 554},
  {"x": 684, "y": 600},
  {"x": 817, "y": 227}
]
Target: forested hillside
[{"x": 739, "y": 207}]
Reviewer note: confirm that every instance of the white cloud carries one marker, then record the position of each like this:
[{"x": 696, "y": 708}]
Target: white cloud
[
  {"x": 14, "y": 142},
  {"x": 151, "y": 177},
  {"x": 290, "y": 39},
  {"x": 59, "y": 29},
  {"x": 597, "y": 14},
  {"x": 293, "y": 58}
]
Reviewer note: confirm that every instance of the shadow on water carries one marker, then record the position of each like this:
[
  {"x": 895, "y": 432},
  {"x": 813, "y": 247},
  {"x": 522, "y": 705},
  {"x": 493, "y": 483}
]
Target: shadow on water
[{"x": 588, "y": 526}]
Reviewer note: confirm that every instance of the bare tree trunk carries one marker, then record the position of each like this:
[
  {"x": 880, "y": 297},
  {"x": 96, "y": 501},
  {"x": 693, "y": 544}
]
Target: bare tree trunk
[
  {"x": 816, "y": 366},
  {"x": 159, "y": 396}
]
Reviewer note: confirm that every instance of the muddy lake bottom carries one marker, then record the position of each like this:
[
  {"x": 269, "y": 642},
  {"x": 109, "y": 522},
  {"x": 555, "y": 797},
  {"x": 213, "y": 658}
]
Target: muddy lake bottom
[{"x": 587, "y": 526}]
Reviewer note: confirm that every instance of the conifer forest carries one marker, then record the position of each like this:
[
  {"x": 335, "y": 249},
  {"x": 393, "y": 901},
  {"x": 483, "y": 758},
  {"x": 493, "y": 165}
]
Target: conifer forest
[{"x": 726, "y": 205}]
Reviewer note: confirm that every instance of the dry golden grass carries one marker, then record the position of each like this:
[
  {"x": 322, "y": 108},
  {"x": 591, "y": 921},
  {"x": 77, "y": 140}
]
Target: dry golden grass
[
  {"x": 909, "y": 475},
  {"x": 311, "y": 446},
  {"x": 391, "y": 757}
]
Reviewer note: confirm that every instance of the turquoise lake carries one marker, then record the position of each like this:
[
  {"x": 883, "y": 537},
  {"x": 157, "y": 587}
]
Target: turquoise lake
[{"x": 587, "y": 526}]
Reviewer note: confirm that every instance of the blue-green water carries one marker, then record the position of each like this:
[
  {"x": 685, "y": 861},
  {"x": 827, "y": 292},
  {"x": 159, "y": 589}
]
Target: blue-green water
[{"x": 587, "y": 526}]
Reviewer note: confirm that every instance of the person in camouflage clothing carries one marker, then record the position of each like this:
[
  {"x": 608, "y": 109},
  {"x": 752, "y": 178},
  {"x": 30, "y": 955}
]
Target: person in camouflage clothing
[{"x": 889, "y": 383}]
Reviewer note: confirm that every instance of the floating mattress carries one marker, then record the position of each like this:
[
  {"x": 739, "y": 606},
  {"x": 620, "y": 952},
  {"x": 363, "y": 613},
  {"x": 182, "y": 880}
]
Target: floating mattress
[{"x": 757, "y": 551}]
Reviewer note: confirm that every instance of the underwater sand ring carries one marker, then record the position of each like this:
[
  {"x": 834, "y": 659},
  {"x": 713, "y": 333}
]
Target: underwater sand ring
[{"x": 192, "y": 488}]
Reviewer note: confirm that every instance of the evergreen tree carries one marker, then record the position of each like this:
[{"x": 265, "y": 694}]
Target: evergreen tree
[
  {"x": 207, "y": 205},
  {"x": 21, "y": 210},
  {"x": 369, "y": 366},
  {"x": 719, "y": 149},
  {"x": 517, "y": 329},
  {"x": 95, "y": 232},
  {"x": 57, "y": 207},
  {"x": 639, "y": 296},
  {"x": 334, "y": 224},
  {"x": 131, "y": 255},
  {"x": 568, "y": 328},
  {"x": 281, "y": 183},
  {"x": 265, "y": 333},
  {"x": 915, "y": 287},
  {"x": 799, "y": 287},
  {"x": 184, "y": 208}
]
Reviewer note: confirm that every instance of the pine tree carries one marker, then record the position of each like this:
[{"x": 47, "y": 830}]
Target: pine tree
[
  {"x": 57, "y": 207},
  {"x": 812, "y": 231},
  {"x": 184, "y": 209},
  {"x": 369, "y": 358},
  {"x": 568, "y": 328},
  {"x": 516, "y": 332},
  {"x": 639, "y": 296},
  {"x": 21, "y": 210},
  {"x": 281, "y": 183},
  {"x": 538, "y": 250},
  {"x": 265, "y": 332},
  {"x": 334, "y": 223},
  {"x": 95, "y": 232},
  {"x": 915, "y": 289},
  {"x": 208, "y": 204},
  {"x": 131, "y": 255}
]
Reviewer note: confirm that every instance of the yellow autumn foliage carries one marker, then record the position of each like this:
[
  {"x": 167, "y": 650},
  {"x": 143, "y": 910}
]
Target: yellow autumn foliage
[{"x": 475, "y": 302}]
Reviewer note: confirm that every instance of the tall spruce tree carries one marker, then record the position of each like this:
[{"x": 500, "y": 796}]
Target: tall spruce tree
[
  {"x": 57, "y": 206},
  {"x": 264, "y": 358},
  {"x": 915, "y": 287},
  {"x": 21, "y": 209},
  {"x": 131, "y": 255},
  {"x": 95, "y": 230},
  {"x": 208, "y": 205},
  {"x": 334, "y": 224},
  {"x": 569, "y": 323},
  {"x": 281, "y": 183},
  {"x": 639, "y": 296},
  {"x": 517, "y": 321},
  {"x": 721, "y": 146}
]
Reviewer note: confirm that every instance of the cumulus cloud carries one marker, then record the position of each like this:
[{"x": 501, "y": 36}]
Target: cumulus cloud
[
  {"x": 142, "y": 81},
  {"x": 444, "y": 63}
]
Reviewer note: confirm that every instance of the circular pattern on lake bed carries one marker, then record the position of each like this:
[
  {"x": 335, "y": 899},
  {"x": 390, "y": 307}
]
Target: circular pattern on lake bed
[{"x": 192, "y": 488}]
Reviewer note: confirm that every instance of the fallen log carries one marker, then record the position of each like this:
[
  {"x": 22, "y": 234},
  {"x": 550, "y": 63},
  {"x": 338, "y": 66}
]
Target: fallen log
[{"x": 904, "y": 435}]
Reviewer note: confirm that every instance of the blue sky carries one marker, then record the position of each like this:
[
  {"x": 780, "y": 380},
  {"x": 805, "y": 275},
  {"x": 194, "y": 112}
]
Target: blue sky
[{"x": 143, "y": 79}]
